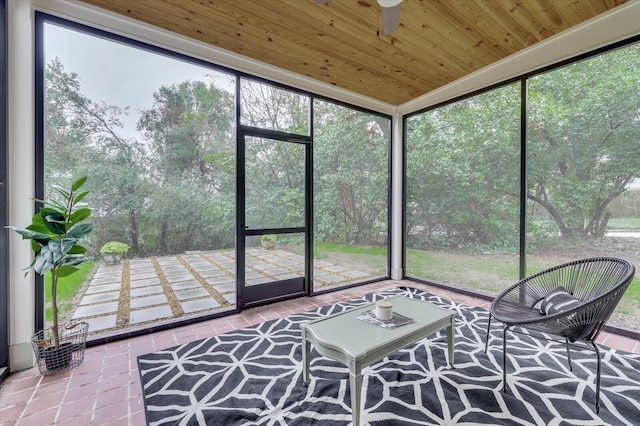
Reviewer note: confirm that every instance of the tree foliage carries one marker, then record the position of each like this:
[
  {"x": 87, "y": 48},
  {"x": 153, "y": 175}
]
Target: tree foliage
[
  {"x": 190, "y": 134},
  {"x": 351, "y": 175},
  {"x": 583, "y": 151},
  {"x": 584, "y": 139},
  {"x": 172, "y": 187},
  {"x": 463, "y": 173}
]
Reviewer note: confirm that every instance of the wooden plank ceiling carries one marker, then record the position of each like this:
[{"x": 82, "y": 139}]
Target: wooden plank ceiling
[{"x": 341, "y": 42}]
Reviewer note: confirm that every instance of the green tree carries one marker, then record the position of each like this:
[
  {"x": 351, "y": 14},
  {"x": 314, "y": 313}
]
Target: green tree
[
  {"x": 351, "y": 175},
  {"x": 584, "y": 139},
  {"x": 463, "y": 173},
  {"x": 275, "y": 178},
  {"x": 190, "y": 133},
  {"x": 83, "y": 137},
  {"x": 583, "y": 150}
]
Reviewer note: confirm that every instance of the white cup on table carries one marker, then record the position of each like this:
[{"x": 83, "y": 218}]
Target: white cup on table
[{"x": 384, "y": 310}]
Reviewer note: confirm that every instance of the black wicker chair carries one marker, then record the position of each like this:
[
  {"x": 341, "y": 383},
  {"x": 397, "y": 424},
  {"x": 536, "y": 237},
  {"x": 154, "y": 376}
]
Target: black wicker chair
[{"x": 594, "y": 287}]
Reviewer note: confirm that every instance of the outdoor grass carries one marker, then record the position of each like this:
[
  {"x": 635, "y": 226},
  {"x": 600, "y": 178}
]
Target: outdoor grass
[
  {"x": 490, "y": 274},
  {"x": 374, "y": 259},
  {"x": 67, "y": 289},
  {"x": 633, "y": 292},
  {"x": 320, "y": 249},
  {"x": 615, "y": 224},
  {"x": 627, "y": 223}
]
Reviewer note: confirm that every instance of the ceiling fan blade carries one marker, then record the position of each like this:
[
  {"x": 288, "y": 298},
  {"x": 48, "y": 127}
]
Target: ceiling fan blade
[{"x": 390, "y": 18}]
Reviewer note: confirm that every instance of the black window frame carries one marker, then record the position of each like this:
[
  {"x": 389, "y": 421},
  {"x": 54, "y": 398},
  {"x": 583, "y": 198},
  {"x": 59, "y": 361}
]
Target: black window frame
[
  {"x": 523, "y": 79},
  {"x": 4, "y": 201},
  {"x": 42, "y": 18}
]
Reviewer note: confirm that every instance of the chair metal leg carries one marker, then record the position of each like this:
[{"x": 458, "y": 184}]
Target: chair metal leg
[
  {"x": 486, "y": 342},
  {"x": 569, "y": 355},
  {"x": 595, "y": 348},
  {"x": 504, "y": 359}
]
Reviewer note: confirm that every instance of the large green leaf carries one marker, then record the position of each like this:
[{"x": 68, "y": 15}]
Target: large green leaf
[
  {"x": 80, "y": 231},
  {"x": 66, "y": 270},
  {"x": 28, "y": 234},
  {"x": 77, "y": 249},
  {"x": 37, "y": 225},
  {"x": 53, "y": 220},
  {"x": 46, "y": 259},
  {"x": 79, "y": 215}
]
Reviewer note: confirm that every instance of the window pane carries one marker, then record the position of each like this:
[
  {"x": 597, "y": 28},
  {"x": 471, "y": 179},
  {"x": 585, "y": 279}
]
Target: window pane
[
  {"x": 156, "y": 138},
  {"x": 268, "y": 107},
  {"x": 350, "y": 152},
  {"x": 275, "y": 183},
  {"x": 462, "y": 220},
  {"x": 274, "y": 257},
  {"x": 583, "y": 156}
]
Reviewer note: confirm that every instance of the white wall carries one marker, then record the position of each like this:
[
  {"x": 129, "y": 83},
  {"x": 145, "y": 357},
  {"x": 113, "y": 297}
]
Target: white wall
[{"x": 20, "y": 176}]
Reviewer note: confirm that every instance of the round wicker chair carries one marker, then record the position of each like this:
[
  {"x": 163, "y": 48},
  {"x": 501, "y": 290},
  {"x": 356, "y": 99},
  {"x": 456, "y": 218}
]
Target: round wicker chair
[{"x": 594, "y": 287}]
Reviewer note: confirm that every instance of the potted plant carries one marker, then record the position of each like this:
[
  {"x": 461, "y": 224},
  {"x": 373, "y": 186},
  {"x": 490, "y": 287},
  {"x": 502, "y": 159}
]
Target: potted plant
[
  {"x": 56, "y": 233},
  {"x": 269, "y": 241},
  {"x": 113, "y": 252}
]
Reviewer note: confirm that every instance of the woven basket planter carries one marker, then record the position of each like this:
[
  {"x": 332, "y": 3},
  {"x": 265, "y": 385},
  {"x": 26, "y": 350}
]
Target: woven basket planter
[{"x": 69, "y": 354}]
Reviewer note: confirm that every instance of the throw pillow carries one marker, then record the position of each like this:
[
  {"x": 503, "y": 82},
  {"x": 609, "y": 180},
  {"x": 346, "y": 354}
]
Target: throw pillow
[{"x": 558, "y": 300}]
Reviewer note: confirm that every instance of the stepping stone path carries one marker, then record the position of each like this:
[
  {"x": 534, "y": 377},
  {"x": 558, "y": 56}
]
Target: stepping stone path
[{"x": 139, "y": 292}]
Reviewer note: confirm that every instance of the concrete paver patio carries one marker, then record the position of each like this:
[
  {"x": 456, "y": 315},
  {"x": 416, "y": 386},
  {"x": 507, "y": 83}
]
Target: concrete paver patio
[{"x": 140, "y": 292}]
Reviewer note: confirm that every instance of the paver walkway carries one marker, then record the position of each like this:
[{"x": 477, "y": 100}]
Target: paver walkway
[{"x": 140, "y": 292}]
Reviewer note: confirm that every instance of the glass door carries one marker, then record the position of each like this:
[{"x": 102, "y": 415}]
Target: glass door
[{"x": 274, "y": 245}]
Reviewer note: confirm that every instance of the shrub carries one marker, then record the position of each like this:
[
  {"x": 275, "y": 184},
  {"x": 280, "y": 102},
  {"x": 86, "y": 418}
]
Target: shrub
[
  {"x": 269, "y": 238},
  {"x": 114, "y": 247}
]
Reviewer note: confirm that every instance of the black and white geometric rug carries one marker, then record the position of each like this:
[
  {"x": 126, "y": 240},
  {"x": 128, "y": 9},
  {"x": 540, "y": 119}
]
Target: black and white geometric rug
[{"x": 253, "y": 376}]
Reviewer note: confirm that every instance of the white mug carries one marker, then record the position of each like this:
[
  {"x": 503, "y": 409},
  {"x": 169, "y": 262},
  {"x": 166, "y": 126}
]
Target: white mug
[{"x": 384, "y": 310}]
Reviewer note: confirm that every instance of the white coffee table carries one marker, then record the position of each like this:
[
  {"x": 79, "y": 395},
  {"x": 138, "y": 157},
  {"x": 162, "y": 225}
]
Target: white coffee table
[{"x": 357, "y": 344}]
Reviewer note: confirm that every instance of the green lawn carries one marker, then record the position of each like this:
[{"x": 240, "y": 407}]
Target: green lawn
[
  {"x": 322, "y": 249},
  {"x": 371, "y": 259},
  {"x": 627, "y": 223},
  {"x": 490, "y": 274},
  {"x": 67, "y": 289}
]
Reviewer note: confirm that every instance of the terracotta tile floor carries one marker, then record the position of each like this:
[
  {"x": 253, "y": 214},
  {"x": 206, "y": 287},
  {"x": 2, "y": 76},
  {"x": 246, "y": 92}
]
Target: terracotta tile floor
[{"x": 105, "y": 389}]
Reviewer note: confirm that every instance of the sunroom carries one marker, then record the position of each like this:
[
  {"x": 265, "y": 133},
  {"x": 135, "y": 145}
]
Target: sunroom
[{"x": 260, "y": 159}]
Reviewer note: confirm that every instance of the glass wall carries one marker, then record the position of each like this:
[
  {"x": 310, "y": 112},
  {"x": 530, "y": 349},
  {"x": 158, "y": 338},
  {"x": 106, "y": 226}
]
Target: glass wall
[
  {"x": 583, "y": 151},
  {"x": 272, "y": 108},
  {"x": 583, "y": 179},
  {"x": 351, "y": 191},
  {"x": 156, "y": 137},
  {"x": 462, "y": 192}
]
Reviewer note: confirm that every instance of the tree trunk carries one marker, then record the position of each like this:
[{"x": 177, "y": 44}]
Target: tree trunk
[
  {"x": 162, "y": 247},
  {"x": 133, "y": 234}
]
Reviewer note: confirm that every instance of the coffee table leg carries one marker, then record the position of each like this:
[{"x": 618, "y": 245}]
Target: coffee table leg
[
  {"x": 451, "y": 329},
  {"x": 306, "y": 354},
  {"x": 356, "y": 395}
]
